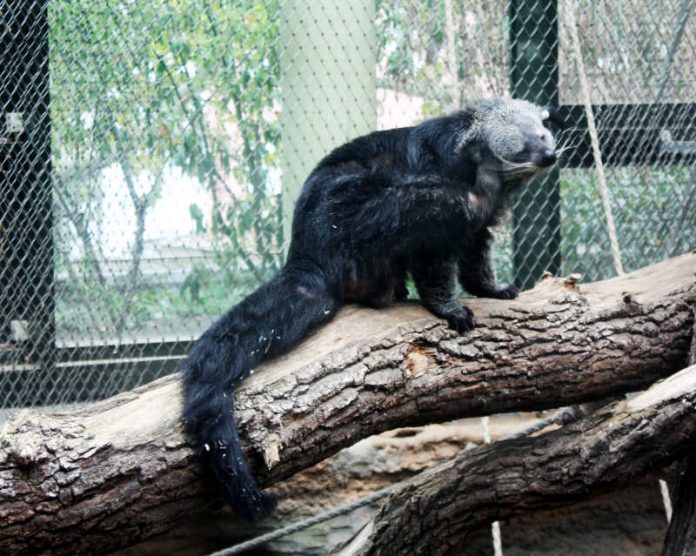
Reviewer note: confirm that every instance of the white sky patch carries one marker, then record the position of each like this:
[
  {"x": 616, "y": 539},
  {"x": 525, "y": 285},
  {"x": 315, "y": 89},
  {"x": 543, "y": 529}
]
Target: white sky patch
[{"x": 169, "y": 217}]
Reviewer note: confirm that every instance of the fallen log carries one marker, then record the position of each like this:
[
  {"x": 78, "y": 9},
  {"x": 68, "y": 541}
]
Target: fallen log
[
  {"x": 351, "y": 474},
  {"x": 437, "y": 511},
  {"x": 680, "y": 539},
  {"x": 681, "y": 535},
  {"x": 121, "y": 470},
  {"x": 630, "y": 520}
]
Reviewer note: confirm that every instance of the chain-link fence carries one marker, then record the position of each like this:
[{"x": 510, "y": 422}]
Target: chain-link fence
[{"x": 150, "y": 152}]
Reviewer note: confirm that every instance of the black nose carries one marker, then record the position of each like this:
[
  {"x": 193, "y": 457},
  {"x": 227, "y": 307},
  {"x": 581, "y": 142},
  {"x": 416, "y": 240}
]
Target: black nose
[{"x": 548, "y": 158}]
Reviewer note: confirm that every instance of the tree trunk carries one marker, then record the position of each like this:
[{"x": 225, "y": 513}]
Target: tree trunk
[
  {"x": 629, "y": 520},
  {"x": 119, "y": 471},
  {"x": 437, "y": 511},
  {"x": 367, "y": 466},
  {"x": 681, "y": 535}
]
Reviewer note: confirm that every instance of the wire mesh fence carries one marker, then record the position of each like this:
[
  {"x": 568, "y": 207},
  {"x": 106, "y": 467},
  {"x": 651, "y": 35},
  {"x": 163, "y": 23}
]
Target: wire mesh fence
[{"x": 151, "y": 152}]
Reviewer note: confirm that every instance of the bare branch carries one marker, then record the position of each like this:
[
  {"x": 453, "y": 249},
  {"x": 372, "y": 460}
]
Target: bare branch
[{"x": 439, "y": 509}]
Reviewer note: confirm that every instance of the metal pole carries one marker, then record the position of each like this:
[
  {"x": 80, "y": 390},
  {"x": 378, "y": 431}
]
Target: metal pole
[
  {"x": 27, "y": 326},
  {"x": 328, "y": 83},
  {"x": 534, "y": 77}
]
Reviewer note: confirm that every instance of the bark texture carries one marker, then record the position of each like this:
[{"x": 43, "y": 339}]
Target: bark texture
[
  {"x": 121, "y": 470},
  {"x": 437, "y": 511},
  {"x": 367, "y": 466},
  {"x": 681, "y": 535},
  {"x": 629, "y": 520}
]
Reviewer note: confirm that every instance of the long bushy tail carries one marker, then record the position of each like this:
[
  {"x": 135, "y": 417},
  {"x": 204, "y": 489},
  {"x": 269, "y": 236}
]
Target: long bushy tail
[{"x": 265, "y": 324}]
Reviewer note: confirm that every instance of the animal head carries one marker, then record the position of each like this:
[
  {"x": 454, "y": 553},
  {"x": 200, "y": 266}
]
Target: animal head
[{"x": 511, "y": 137}]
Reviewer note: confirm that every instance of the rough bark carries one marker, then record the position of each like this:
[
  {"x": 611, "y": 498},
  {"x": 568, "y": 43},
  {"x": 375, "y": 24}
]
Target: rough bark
[
  {"x": 367, "y": 466},
  {"x": 630, "y": 520},
  {"x": 627, "y": 521},
  {"x": 681, "y": 535},
  {"x": 121, "y": 470},
  {"x": 437, "y": 511}
]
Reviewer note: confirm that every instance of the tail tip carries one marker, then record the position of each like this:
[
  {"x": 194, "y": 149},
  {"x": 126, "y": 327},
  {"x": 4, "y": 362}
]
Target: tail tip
[{"x": 257, "y": 507}]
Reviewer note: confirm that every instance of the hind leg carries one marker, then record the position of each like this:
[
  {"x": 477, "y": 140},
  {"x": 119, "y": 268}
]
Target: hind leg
[
  {"x": 376, "y": 285},
  {"x": 401, "y": 291}
]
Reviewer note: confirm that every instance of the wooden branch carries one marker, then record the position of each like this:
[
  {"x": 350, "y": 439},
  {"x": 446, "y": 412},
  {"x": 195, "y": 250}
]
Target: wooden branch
[
  {"x": 439, "y": 509},
  {"x": 627, "y": 521},
  {"x": 618, "y": 521},
  {"x": 681, "y": 534},
  {"x": 367, "y": 466},
  {"x": 121, "y": 470}
]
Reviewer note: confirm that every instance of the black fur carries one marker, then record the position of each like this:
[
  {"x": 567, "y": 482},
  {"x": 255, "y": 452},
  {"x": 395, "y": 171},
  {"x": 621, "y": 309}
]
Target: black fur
[{"x": 416, "y": 200}]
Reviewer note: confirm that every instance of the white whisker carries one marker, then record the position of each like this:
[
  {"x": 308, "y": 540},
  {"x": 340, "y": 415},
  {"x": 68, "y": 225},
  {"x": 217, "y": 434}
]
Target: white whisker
[{"x": 561, "y": 149}]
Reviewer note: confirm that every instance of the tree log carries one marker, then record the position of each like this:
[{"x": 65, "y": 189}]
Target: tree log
[
  {"x": 354, "y": 472},
  {"x": 681, "y": 534},
  {"x": 439, "y": 509},
  {"x": 121, "y": 470},
  {"x": 629, "y": 520}
]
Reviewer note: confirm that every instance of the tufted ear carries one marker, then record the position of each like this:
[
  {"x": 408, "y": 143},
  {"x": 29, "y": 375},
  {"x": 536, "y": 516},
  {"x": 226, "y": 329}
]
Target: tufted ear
[
  {"x": 465, "y": 138},
  {"x": 550, "y": 114}
]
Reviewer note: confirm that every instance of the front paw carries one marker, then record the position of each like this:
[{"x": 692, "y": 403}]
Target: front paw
[
  {"x": 460, "y": 319},
  {"x": 505, "y": 292}
]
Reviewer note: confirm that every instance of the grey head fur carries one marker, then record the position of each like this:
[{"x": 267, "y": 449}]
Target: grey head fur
[{"x": 514, "y": 134}]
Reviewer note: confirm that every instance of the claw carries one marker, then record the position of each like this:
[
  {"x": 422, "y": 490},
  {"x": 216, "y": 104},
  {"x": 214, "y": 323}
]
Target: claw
[
  {"x": 505, "y": 292},
  {"x": 461, "y": 320}
]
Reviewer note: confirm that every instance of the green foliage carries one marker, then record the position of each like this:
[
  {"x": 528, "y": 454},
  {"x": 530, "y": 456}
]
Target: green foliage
[
  {"x": 445, "y": 57},
  {"x": 151, "y": 86},
  {"x": 654, "y": 210}
]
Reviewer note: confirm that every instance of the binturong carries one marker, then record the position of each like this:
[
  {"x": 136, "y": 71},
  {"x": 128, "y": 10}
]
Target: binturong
[{"x": 416, "y": 200}]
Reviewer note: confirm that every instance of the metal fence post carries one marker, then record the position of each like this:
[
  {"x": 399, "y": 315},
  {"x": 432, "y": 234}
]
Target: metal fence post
[
  {"x": 27, "y": 327},
  {"x": 534, "y": 77},
  {"x": 328, "y": 82}
]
